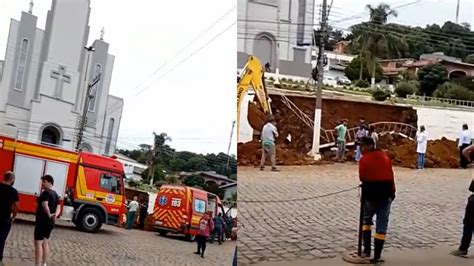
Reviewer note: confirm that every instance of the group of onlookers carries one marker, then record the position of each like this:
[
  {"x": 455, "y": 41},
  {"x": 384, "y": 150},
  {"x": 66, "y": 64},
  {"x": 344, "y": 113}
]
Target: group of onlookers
[{"x": 47, "y": 212}]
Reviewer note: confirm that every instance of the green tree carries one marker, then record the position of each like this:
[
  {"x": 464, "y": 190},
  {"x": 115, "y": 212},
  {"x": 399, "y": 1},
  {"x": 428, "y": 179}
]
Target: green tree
[
  {"x": 430, "y": 76},
  {"x": 451, "y": 90},
  {"x": 405, "y": 88},
  {"x": 374, "y": 39},
  {"x": 196, "y": 181},
  {"x": 353, "y": 70},
  {"x": 469, "y": 59}
]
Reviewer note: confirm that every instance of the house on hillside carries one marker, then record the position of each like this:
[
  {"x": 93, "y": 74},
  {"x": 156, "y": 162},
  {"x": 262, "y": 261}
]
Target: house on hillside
[
  {"x": 230, "y": 190},
  {"x": 342, "y": 47},
  {"x": 133, "y": 169},
  {"x": 209, "y": 177}
]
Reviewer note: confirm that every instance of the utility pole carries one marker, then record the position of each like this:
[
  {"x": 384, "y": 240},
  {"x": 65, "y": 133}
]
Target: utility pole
[
  {"x": 83, "y": 120},
  {"x": 277, "y": 63},
  {"x": 319, "y": 91},
  {"x": 230, "y": 142},
  {"x": 457, "y": 13}
]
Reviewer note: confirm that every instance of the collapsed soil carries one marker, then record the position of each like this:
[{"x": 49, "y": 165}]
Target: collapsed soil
[{"x": 442, "y": 153}]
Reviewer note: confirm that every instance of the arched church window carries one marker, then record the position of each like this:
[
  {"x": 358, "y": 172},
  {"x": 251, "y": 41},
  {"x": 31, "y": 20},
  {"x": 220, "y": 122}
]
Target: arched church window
[
  {"x": 51, "y": 135},
  {"x": 94, "y": 90},
  {"x": 87, "y": 148},
  {"x": 20, "y": 69},
  {"x": 108, "y": 141}
]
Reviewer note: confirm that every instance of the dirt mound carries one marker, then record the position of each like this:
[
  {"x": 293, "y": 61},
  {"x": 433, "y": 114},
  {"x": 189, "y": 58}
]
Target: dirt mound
[
  {"x": 250, "y": 153},
  {"x": 441, "y": 153}
]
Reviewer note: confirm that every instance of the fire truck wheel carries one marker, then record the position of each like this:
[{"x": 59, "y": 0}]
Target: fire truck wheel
[
  {"x": 162, "y": 232},
  {"x": 90, "y": 220}
]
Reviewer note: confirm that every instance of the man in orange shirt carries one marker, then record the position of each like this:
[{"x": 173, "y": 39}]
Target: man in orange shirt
[{"x": 378, "y": 192}]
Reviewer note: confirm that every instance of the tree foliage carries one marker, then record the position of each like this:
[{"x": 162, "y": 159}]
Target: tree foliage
[
  {"x": 352, "y": 71},
  {"x": 405, "y": 88},
  {"x": 453, "y": 90},
  {"x": 411, "y": 42},
  {"x": 469, "y": 59},
  {"x": 430, "y": 76},
  {"x": 165, "y": 161}
]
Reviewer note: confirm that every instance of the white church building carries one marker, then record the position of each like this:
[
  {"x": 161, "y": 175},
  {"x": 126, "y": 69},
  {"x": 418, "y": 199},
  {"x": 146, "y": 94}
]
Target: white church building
[
  {"x": 264, "y": 25},
  {"x": 44, "y": 78}
]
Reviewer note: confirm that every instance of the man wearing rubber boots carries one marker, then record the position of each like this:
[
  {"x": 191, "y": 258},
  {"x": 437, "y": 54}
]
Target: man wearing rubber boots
[{"x": 378, "y": 192}]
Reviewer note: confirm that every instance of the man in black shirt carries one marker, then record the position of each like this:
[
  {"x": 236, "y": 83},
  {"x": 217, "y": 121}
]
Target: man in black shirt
[
  {"x": 8, "y": 208},
  {"x": 46, "y": 214}
]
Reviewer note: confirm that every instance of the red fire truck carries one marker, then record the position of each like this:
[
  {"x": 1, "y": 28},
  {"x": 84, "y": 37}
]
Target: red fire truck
[{"x": 90, "y": 186}]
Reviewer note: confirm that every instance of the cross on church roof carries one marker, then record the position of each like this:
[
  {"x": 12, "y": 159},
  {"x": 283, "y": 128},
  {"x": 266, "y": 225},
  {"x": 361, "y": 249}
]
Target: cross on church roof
[
  {"x": 102, "y": 32},
  {"x": 31, "y": 7},
  {"x": 60, "y": 76}
]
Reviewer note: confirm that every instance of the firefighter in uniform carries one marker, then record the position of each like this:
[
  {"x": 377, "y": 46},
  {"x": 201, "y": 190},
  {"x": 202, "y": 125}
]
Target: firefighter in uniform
[{"x": 378, "y": 192}]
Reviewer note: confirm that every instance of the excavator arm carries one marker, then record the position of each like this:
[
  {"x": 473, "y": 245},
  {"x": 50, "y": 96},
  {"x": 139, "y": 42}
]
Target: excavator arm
[{"x": 252, "y": 75}]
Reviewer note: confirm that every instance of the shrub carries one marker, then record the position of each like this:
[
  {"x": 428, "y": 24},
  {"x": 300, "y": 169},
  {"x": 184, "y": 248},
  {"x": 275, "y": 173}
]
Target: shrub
[
  {"x": 405, "y": 88},
  {"x": 301, "y": 82},
  {"x": 452, "y": 90},
  {"x": 459, "y": 93},
  {"x": 380, "y": 95},
  {"x": 282, "y": 79},
  {"x": 271, "y": 78},
  {"x": 277, "y": 85},
  {"x": 362, "y": 83}
]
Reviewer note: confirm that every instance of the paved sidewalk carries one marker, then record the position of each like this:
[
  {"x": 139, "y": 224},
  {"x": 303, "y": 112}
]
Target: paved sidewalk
[{"x": 438, "y": 256}]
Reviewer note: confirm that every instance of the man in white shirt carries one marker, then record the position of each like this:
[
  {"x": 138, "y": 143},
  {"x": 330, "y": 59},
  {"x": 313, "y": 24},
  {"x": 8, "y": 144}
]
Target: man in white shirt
[
  {"x": 269, "y": 133},
  {"x": 132, "y": 211},
  {"x": 464, "y": 141},
  {"x": 422, "y": 143}
]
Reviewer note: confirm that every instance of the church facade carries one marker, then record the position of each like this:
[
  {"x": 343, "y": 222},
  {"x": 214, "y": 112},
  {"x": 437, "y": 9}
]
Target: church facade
[
  {"x": 45, "y": 76},
  {"x": 264, "y": 25}
]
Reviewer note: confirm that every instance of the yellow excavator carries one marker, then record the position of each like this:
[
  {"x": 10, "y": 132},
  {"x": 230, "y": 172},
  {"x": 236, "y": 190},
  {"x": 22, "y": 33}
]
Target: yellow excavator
[{"x": 252, "y": 75}]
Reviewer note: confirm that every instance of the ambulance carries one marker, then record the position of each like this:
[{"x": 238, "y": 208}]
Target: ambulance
[
  {"x": 179, "y": 209},
  {"x": 91, "y": 187}
]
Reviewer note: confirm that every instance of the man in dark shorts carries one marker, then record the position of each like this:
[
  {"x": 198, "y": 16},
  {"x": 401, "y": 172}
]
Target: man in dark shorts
[
  {"x": 8, "y": 208},
  {"x": 46, "y": 214}
]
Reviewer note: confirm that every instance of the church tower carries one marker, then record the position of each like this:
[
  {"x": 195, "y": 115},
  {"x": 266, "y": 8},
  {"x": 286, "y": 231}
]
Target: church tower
[{"x": 44, "y": 79}]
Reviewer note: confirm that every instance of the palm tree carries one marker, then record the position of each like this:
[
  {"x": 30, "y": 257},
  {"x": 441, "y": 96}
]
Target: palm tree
[
  {"x": 381, "y": 13},
  {"x": 161, "y": 153},
  {"x": 376, "y": 38}
]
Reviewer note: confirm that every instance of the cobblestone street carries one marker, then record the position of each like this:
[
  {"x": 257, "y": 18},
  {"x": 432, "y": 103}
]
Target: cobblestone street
[
  {"x": 427, "y": 212},
  {"x": 112, "y": 246}
]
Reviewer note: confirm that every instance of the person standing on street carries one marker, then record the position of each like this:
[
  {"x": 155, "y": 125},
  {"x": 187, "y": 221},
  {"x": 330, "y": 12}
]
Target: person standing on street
[
  {"x": 361, "y": 133},
  {"x": 378, "y": 192},
  {"x": 269, "y": 133},
  {"x": 218, "y": 227},
  {"x": 132, "y": 211},
  {"x": 206, "y": 225},
  {"x": 464, "y": 141},
  {"x": 47, "y": 212},
  {"x": 341, "y": 130},
  {"x": 373, "y": 134},
  {"x": 421, "y": 145},
  {"x": 8, "y": 208},
  {"x": 143, "y": 214},
  {"x": 468, "y": 221}
]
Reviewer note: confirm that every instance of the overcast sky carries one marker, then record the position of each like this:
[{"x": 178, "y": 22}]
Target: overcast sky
[{"x": 194, "y": 102}]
